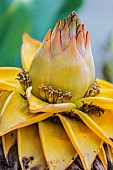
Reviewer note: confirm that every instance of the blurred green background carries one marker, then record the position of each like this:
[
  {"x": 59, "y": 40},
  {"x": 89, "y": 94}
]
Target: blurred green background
[{"x": 32, "y": 16}]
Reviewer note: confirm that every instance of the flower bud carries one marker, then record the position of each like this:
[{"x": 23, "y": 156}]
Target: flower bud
[{"x": 64, "y": 60}]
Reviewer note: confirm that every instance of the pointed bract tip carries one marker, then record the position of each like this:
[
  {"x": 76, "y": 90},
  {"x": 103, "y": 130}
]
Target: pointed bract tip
[
  {"x": 72, "y": 17},
  {"x": 27, "y": 38},
  {"x": 57, "y": 34},
  {"x": 78, "y": 30},
  {"x": 72, "y": 14},
  {"x": 84, "y": 30},
  {"x": 83, "y": 26},
  {"x": 62, "y": 24},
  {"x": 87, "y": 37},
  {"x": 56, "y": 45},
  {"x": 57, "y": 25},
  {"x": 24, "y": 35},
  {"x": 48, "y": 35}
]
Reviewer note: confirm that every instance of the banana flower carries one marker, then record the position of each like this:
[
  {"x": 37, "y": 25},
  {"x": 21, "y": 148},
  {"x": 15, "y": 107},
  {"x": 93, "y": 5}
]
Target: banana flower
[{"x": 53, "y": 109}]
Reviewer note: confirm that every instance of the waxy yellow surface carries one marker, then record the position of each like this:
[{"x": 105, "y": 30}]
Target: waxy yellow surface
[
  {"x": 16, "y": 115},
  {"x": 57, "y": 147},
  {"x": 86, "y": 143},
  {"x": 37, "y": 105},
  {"x": 3, "y": 97},
  {"x": 104, "y": 83},
  {"x": 28, "y": 50},
  {"x": 42, "y": 61},
  {"x": 102, "y": 126},
  {"x": 8, "y": 80},
  {"x": 64, "y": 60},
  {"x": 102, "y": 102},
  {"x": 29, "y": 146},
  {"x": 108, "y": 93}
]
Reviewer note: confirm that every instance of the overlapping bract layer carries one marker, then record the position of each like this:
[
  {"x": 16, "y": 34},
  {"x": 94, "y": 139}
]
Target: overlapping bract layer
[
  {"x": 65, "y": 59},
  {"x": 28, "y": 120}
]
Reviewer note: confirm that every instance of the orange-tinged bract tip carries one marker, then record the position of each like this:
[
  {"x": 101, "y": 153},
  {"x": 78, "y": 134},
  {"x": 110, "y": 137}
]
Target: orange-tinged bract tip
[
  {"x": 56, "y": 46},
  {"x": 54, "y": 30},
  {"x": 65, "y": 36},
  {"x": 84, "y": 34},
  {"x": 42, "y": 61},
  {"x": 62, "y": 24},
  {"x": 80, "y": 43},
  {"x": 53, "y": 110},
  {"x": 63, "y": 59}
]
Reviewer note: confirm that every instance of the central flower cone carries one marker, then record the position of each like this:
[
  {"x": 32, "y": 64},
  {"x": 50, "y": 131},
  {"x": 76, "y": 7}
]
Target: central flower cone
[
  {"x": 54, "y": 113},
  {"x": 64, "y": 59}
]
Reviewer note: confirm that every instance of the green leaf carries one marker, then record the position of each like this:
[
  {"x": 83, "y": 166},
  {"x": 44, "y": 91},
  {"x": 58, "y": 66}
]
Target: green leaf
[
  {"x": 32, "y": 16},
  {"x": 15, "y": 20}
]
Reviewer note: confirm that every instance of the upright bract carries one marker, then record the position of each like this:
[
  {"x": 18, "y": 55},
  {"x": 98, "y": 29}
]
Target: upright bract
[
  {"x": 64, "y": 59},
  {"x": 54, "y": 113}
]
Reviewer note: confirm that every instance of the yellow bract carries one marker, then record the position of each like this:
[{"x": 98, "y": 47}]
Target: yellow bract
[
  {"x": 31, "y": 148},
  {"x": 57, "y": 147},
  {"x": 42, "y": 61},
  {"x": 102, "y": 157},
  {"x": 8, "y": 80},
  {"x": 37, "y": 105},
  {"x": 29, "y": 48},
  {"x": 70, "y": 68},
  {"x": 86, "y": 143},
  {"x": 53, "y": 135}
]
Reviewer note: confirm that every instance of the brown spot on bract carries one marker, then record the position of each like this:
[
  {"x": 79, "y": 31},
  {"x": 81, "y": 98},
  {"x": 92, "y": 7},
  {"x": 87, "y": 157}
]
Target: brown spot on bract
[
  {"x": 36, "y": 167},
  {"x": 13, "y": 161},
  {"x": 111, "y": 139},
  {"x": 25, "y": 162},
  {"x": 31, "y": 158},
  {"x": 3, "y": 163},
  {"x": 12, "y": 134}
]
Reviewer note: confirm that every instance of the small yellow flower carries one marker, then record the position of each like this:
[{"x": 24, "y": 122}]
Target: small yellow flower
[{"x": 53, "y": 108}]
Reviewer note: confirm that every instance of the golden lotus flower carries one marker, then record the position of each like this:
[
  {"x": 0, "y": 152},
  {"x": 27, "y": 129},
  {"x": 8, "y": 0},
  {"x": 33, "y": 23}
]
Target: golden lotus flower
[
  {"x": 63, "y": 58},
  {"x": 53, "y": 110}
]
